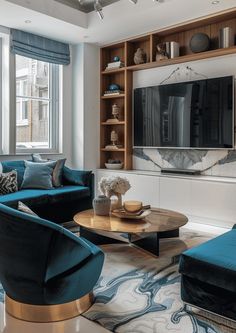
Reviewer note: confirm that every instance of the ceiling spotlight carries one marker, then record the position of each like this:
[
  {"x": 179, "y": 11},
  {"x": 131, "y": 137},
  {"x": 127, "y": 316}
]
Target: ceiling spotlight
[
  {"x": 133, "y": 1},
  {"x": 215, "y": 2},
  {"x": 98, "y": 9},
  {"x": 27, "y": 21}
]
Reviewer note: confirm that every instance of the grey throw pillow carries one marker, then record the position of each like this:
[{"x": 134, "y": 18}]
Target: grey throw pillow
[
  {"x": 57, "y": 171},
  {"x": 8, "y": 182},
  {"x": 25, "y": 209},
  {"x": 38, "y": 175}
]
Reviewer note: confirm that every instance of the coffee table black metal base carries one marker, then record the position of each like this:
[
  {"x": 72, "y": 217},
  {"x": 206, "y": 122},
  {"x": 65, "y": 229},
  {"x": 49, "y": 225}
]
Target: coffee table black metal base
[{"x": 147, "y": 242}]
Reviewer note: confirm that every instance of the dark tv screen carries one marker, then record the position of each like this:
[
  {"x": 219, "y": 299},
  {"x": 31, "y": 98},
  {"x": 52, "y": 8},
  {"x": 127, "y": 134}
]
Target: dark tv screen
[{"x": 193, "y": 114}]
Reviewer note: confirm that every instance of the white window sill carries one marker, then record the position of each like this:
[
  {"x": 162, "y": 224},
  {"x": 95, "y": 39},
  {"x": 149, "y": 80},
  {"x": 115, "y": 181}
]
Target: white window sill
[{"x": 22, "y": 123}]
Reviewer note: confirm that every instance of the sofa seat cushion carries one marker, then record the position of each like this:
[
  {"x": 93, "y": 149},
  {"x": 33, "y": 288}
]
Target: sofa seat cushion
[
  {"x": 27, "y": 196},
  {"x": 68, "y": 193},
  {"x": 213, "y": 262}
]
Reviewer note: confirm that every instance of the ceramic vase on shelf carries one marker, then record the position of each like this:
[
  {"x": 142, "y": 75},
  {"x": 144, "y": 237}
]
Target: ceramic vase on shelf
[{"x": 101, "y": 205}]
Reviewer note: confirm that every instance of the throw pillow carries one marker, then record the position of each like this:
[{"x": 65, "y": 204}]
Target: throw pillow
[
  {"x": 25, "y": 209},
  {"x": 57, "y": 172},
  {"x": 38, "y": 158},
  {"x": 76, "y": 177},
  {"x": 8, "y": 182},
  {"x": 38, "y": 175}
]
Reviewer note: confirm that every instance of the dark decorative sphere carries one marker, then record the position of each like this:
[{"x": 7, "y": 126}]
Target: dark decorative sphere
[
  {"x": 199, "y": 42},
  {"x": 116, "y": 58},
  {"x": 114, "y": 86}
]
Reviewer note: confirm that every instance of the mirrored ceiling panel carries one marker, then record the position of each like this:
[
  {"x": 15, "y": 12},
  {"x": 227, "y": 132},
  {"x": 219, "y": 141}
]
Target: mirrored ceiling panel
[{"x": 85, "y": 6}]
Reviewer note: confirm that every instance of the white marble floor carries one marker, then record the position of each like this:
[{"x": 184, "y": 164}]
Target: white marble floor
[{"x": 79, "y": 324}]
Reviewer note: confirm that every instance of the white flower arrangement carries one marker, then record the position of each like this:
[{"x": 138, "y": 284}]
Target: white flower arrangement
[{"x": 114, "y": 186}]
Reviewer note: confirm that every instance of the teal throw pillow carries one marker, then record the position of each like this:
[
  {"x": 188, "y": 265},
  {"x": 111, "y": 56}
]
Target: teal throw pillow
[
  {"x": 38, "y": 175},
  {"x": 76, "y": 177},
  {"x": 57, "y": 171}
]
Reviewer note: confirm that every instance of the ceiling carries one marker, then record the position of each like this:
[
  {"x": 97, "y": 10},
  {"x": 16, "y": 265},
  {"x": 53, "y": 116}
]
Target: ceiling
[
  {"x": 86, "y": 6},
  {"x": 122, "y": 19}
]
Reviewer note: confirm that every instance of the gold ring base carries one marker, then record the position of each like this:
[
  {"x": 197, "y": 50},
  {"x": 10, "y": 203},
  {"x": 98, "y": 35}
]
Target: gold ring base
[{"x": 48, "y": 313}]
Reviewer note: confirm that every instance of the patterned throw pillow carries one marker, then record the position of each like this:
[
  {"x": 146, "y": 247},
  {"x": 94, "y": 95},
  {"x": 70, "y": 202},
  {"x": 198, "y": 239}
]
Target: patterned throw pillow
[
  {"x": 25, "y": 209},
  {"x": 8, "y": 182}
]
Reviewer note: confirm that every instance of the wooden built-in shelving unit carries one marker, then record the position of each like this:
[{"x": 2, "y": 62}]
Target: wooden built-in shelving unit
[{"x": 125, "y": 50}]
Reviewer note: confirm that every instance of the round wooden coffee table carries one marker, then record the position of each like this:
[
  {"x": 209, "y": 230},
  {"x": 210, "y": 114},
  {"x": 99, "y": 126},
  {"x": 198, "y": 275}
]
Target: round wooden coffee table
[{"x": 161, "y": 223}]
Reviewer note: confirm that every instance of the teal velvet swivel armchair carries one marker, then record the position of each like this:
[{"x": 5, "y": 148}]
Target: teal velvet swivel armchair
[{"x": 47, "y": 272}]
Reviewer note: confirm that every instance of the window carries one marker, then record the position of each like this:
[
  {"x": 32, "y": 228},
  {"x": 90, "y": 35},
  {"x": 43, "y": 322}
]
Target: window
[{"x": 37, "y": 105}]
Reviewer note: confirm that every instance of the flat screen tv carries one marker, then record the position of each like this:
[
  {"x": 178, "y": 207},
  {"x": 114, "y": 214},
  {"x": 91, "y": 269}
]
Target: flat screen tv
[{"x": 193, "y": 114}]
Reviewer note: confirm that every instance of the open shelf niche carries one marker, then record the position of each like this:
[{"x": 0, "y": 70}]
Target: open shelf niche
[{"x": 125, "y": 50}]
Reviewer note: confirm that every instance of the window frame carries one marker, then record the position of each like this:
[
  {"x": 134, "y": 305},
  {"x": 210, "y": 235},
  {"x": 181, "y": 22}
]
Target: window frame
[{"x": 55, "y": 82}]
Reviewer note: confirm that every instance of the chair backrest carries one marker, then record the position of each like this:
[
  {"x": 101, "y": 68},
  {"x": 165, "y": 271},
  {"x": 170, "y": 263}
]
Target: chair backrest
[{"x": 24, "y": 246}]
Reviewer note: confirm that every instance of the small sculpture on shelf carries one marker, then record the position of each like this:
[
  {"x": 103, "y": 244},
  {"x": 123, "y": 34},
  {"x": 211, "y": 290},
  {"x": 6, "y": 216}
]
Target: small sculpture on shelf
[
  {"x": 114, "y": 140},
  {"x": 114, "y": 186},
  {"x": 161, "y": 52},
  {"x": 115, "y": 114},
  {"x": 116, "y": 58},
  {"x": 140, "y": 56}
]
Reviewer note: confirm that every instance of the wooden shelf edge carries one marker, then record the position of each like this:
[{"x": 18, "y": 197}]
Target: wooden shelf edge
[
  {"x": 104, "y": 123},
  {"x": 185, "y": 58},
  {"x": 113, "y": 96},
  {"x": 113, "y": 71},
  {"x": 113, "y": 150}
]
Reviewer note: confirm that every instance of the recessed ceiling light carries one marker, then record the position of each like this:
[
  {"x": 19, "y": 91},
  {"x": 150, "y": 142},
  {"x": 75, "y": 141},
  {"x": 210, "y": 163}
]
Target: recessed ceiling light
[
  {"x": 215, "y": 2},
  {"x": 27, "y": 21}
]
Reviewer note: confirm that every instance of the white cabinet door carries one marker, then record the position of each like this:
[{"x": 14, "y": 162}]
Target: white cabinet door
[
  {"x": 175, "y": 194},
  {"x": 214, "y": 200},
  {"x": 143, "y": 188}
]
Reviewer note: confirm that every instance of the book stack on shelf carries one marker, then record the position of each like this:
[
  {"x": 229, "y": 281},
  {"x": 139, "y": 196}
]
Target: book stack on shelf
[
  {"x": 114, "y": 65},
  {"x": 113, "y": 92}
]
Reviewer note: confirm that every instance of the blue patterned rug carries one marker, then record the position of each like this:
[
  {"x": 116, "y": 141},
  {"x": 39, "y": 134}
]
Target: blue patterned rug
[{"x": 141, "y": 294}]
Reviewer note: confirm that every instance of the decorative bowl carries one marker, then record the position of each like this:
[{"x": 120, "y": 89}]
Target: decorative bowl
[{"x": 114, "y": 166}]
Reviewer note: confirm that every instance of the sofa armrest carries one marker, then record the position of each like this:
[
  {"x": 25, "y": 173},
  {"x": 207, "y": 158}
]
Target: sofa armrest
[
  {"x": 234, "y": 227},
  {"x": 76, "y": 177}
]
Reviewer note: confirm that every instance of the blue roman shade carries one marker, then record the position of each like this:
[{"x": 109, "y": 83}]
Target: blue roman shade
[{"x": 39, "y": 48}]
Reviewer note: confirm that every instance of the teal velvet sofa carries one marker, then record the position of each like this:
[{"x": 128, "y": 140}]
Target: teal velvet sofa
[
  {"x": 209, "y": 275},
  {"x": 44, "y": 268},
  {"x": 59, "y": 204}
]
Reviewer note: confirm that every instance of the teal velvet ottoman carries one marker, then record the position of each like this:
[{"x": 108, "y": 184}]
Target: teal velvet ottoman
[{"x": 209, "y": 275}]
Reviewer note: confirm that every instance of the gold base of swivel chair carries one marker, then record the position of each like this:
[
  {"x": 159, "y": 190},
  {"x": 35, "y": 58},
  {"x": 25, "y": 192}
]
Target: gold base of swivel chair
[{"x": 48, "y": 313}]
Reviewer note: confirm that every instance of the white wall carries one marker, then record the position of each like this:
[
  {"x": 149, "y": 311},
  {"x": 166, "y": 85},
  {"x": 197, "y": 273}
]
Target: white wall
[{"x": 85, "y": 114}]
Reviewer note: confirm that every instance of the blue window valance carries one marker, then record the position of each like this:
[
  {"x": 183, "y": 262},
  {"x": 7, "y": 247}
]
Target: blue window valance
[{"x": 40, "y": 48}]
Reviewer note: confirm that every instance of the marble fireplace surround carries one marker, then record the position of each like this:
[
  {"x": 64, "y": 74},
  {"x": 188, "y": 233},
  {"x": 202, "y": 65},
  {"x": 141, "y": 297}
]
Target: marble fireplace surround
[{"x": 210, "y": 162}]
